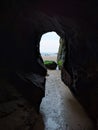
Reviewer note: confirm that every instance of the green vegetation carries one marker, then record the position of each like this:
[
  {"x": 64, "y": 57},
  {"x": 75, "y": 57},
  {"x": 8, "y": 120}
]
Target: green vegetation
[
  {"x": 60, "y": 63},
  {"x": 48, "y": 62}
]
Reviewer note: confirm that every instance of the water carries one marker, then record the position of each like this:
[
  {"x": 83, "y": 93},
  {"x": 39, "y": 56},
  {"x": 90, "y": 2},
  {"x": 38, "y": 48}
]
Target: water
[{"x": 48, "y": 54}]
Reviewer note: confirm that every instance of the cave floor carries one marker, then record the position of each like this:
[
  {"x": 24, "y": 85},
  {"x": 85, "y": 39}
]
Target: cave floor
[{"x": 60, "y": 110}]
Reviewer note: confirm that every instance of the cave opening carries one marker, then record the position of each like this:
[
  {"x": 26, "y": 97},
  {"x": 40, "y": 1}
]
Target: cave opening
[
  {"x": 49, "y": 47},
  {"x": 49, "y": 42}
]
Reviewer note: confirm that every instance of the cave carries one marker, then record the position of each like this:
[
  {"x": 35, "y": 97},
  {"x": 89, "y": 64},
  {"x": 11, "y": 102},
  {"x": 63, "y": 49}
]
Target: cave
[{"x": 22, "y": 25}]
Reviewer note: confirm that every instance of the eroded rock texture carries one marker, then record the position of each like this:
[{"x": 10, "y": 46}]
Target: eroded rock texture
[
  {"x": 21, "y": 27},
  {"x": 61, "y": 53}
]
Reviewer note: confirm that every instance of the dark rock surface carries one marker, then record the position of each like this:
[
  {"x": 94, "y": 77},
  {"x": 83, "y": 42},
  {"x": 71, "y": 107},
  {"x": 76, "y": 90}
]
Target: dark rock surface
[
  {"x": 30, "y": 85},
  {"x": 15, "y": 111},
  {"x": 62, "y": 51},
  {"x": 82, "y": 67}
]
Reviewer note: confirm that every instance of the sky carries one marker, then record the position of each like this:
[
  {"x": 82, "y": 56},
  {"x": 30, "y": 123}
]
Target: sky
[{"x": 49, "y": 43}]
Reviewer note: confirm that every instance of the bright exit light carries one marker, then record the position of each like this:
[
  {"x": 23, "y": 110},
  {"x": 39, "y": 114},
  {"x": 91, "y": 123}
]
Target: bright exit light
[{"x": 49, "y": 43}]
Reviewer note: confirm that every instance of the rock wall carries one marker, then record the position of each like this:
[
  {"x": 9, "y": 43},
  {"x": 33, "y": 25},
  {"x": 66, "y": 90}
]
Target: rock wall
[
  {"x": 61, "y": 53},
  {"x": 80, "y": 72}
]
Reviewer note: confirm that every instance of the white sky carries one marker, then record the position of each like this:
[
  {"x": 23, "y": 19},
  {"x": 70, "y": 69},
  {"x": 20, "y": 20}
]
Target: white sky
[{"x": 49, "y": 43}]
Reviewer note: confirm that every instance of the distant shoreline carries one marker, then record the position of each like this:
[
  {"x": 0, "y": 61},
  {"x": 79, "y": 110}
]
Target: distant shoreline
[
  {"x": 48, "y": 54},
  {"x": 50, "y": 57}
]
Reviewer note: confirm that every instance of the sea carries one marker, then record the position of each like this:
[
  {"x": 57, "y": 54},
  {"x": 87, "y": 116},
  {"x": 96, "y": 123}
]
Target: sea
[{"x": 48, "y": 54}]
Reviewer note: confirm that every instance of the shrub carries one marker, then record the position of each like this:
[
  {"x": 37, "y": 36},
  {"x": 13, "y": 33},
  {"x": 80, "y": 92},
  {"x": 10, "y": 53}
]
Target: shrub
[
  {"x": 50, "y": 64},
  {"x": 60, "y": 63}
]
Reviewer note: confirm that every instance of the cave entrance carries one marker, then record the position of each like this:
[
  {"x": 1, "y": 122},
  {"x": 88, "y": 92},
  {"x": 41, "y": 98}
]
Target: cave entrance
[{"x": 49, "y": 46}]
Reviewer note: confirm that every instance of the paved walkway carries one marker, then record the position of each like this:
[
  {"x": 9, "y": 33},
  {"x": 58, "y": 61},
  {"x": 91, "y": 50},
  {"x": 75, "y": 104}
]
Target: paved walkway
[{"x": 60, "y": 109}]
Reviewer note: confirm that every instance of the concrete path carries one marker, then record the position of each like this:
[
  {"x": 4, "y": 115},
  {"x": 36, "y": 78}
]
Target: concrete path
[{"x": 60, "y": 110}]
